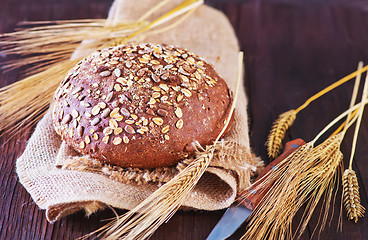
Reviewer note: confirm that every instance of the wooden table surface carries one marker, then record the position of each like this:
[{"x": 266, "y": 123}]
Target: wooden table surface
[{"x": 293, "y": 48}]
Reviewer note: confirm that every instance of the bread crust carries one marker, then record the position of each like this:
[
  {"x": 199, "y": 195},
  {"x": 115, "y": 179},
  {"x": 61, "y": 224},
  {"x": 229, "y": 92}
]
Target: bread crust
[{"x": 141, "y": 105}]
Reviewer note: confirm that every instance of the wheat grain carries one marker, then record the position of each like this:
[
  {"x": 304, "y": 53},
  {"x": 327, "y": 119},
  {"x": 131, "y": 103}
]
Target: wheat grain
[
  {"x": 351, "y": 197},
  {"x": 278, "y": 131}
]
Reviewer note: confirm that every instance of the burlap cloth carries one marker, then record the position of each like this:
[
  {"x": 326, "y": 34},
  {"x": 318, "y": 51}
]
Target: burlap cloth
[{"x": 62, "y": 182}]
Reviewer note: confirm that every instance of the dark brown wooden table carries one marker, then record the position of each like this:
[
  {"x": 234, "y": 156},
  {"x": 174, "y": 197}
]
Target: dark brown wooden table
[{"x": 293, "y": 48}]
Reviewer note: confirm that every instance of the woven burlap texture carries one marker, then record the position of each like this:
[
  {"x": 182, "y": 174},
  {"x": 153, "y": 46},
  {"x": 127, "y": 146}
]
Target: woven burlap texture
[{"x": 61, "y": 191}]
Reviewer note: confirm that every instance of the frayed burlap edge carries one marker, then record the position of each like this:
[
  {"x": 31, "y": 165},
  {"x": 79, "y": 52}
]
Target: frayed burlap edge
[{"x": 226, "y": 156}]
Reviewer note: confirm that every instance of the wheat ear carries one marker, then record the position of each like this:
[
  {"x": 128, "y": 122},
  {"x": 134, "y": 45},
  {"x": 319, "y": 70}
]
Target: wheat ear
[
  {"x": 142, "y": 221},
  {"x": 278, "y": 131},
  {"x": 49, "y": 47},
  {"x": 354, "y": 208},
  {"x": 285, "y": 120},
  {"x": 302, "y": 179},
  {"x": 29, "y": 98},
  {"x": 55, "y": 41},
  {"x": 351, "y": 196}
]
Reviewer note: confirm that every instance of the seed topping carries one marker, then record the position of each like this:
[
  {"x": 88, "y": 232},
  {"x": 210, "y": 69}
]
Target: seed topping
[
  {"x": 178, "y": 112},
  {"x": 85, "y": 104},
  {"x": 158, "y": 121},
  {"x": 80, "y": 130},
  {"x": 108, "y": 130},
  {"x": 87, "y": 139},
  {"x": 162, "y": 112},
  {"x": 113, "y": 123},
  {"x": 114, "y": 112},
  {"x": 179, "y": 98},
  {"x": 125, "y": 112},
  {"x": 105, "y": 73},
  {"x": 152, "y": 101},
  {"x": 77, "y": 90},
  {"x": 117, "y": 87},
  {"x": 164, "y": 87},
  {"x": 105, "y": 113},
  {"x": 135, "y": 117},
  {"x": 156, "y": 95},
  {"x": 141, "y": 72},
  {"x": 165, "y": 129},
  {"x": 95, "y": 121},
  {"x": 66, "y": 119},
  {"x": 122, "y": 81},
  {"x": 75, "y": 113},
  {"x": 186, "y": 92},
  {"x": 117, "y": 141},
  {"x": 61, "y": 114},
  {"x": 118, "y": 117},
  {"x": 128, "y": 64},
  {"x": 109, "y": 97},
  {"x": 105, "y": 139},
  {"x": 155, "y": 78},
  {"x": 129, "y": 129},
  {"x": 95, "y": 136},
  {"x": 117, "y": 72},
  {"x": 157, "y": 75},
  {"x": 102, "y": 105},
  {"x": 179, "y": 124},
  {"x": 129, "y": 121},
  {"x": 118, "y": 130},
  {"x": 75, "y": 123},
  {"x": 126, "y": 139},
  {"x": 96, "y": 110}
]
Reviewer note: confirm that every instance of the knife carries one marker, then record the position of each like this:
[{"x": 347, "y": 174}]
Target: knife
[{"x": 238, "y": 212}]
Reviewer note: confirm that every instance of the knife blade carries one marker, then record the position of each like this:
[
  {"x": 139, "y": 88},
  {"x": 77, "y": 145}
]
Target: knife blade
[{"x": 238, "y": 212}]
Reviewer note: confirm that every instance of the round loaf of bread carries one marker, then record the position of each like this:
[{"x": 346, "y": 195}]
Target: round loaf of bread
[{"x": 141, "y": 105}]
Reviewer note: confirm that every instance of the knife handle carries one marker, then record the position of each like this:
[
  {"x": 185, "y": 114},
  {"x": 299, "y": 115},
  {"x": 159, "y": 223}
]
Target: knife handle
[{"x": 255, "y": 196}]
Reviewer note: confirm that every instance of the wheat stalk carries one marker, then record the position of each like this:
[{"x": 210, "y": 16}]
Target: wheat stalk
[
  {"x": 354, "y": 208},
  {"x": 142, "y": 221},
  {"x": 351, "y": 196},
  {"x": 278, "y": 131},
  {"x": 285, "y": 120},
  {"x": 352, "y": 101},
  {"x": 57, "y": 41},
  {"x": 305, "y": 177},
  {"x": 309, "y": 174},
  {"x": 24, "y": 102},
  {"x": 26, "y": 99}
]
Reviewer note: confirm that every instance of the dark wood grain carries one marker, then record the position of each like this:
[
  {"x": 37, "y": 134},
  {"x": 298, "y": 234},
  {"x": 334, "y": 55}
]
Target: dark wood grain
[{"x": 293, "y": 48}]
